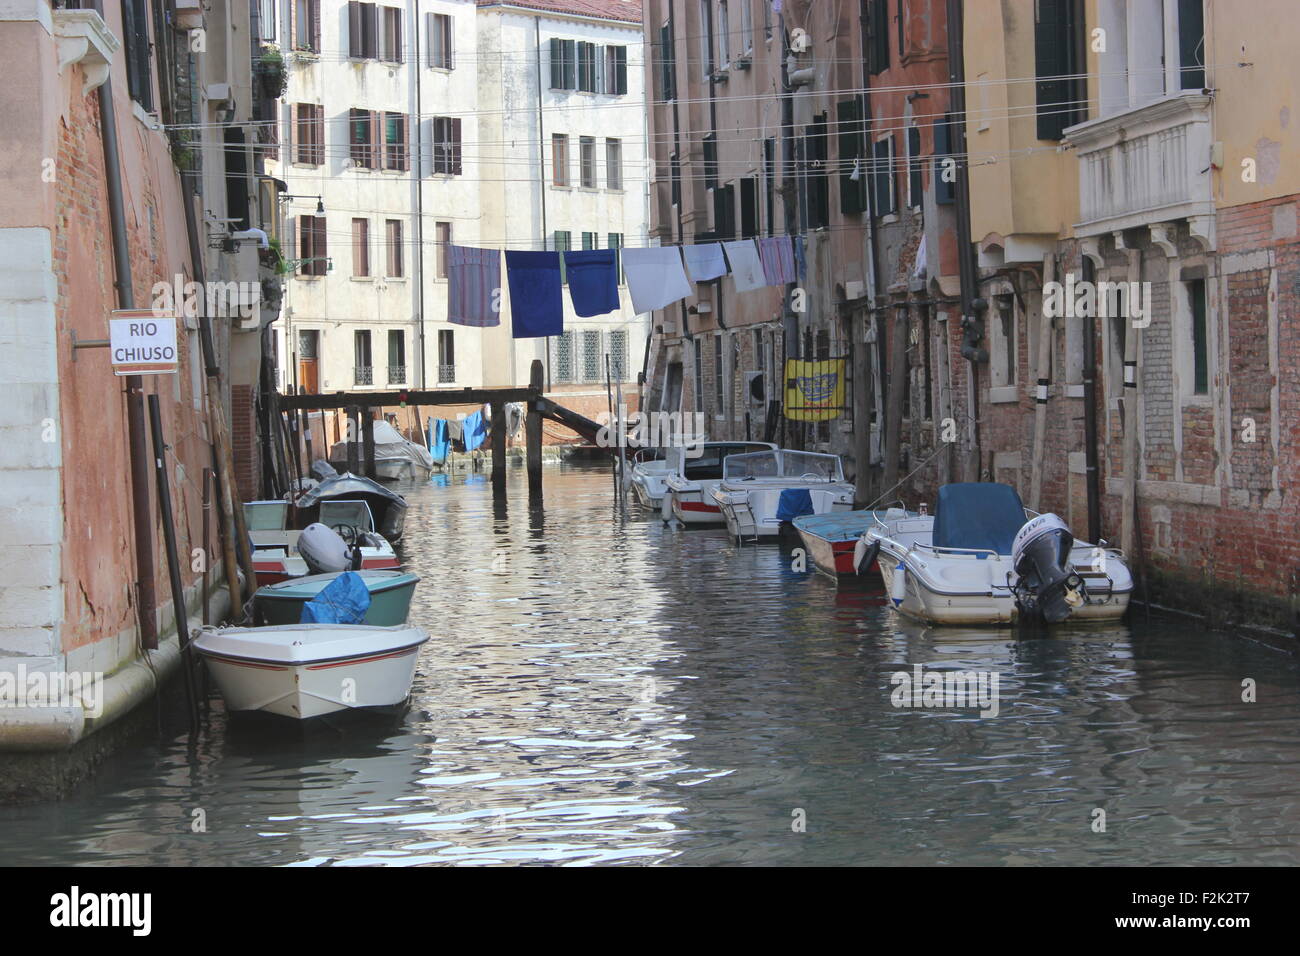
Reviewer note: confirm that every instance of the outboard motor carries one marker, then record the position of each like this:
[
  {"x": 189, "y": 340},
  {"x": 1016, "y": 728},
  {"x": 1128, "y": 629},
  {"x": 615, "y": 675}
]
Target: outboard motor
[
  {"x": 324, "y": 549},
  {"x": 1047, "y": 588}
]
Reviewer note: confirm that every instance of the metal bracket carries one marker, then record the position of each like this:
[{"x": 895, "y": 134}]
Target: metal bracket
[{"x": 86, "y": 344}]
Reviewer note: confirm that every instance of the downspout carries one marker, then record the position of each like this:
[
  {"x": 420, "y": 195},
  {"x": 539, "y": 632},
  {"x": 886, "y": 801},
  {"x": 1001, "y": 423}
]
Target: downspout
[
  {"x": 146, "y": 595},
  {"x": 1128, "y": 536},
  {"x": 1040, "y": 398},
  {"x": 541, "y": 166},
  {"x": 789, "y": 195},
  {"x": 1092, "y": 473},
  {"x": 419, "y": 202}
]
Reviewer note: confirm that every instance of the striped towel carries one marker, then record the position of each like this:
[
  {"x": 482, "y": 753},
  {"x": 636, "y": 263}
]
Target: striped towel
[
  {"x": 777, "y": 255},
  {"x": 473, "y": 286}
]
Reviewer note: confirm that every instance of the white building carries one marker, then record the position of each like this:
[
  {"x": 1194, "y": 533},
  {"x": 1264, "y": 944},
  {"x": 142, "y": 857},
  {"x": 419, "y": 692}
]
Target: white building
[{"x": 424, "y": 123}]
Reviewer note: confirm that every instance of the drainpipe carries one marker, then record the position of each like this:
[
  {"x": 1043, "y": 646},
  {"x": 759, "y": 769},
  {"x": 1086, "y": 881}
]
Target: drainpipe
[
  {"x": 146, "y": 596},
  {"x": 419, "y": 203},
  {"x": 1040, "y": 398},
  {"x": 789, "y": 198},
  {"x": 541, "y": 165},
  {"x": 1128, "y": 536},
  {"x": 863, "y": 372},
  {"x": 1092, "y": 475}
]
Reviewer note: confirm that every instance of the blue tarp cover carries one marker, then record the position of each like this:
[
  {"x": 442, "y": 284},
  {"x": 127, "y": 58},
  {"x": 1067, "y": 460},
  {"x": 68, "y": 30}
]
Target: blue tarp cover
[
  {"x": 978, "y": 514},
  {"x": 344, "y": 600},
  {"x": 794, "y": 502}
]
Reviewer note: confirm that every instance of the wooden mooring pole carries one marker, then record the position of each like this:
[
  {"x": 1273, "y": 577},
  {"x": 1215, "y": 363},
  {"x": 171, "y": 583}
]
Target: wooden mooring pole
[
  {"x": 533, "y": 432},
  {"x": 353, "y": 442},
  {"x": 498, "y": 438},
  {"x": 368, "y": 440}
]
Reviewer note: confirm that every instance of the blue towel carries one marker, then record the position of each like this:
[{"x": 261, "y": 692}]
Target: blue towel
[
  {"x": 593, "y": 281},
  {"x": 475, "y": 430},
  {"x": 536, "y": 294},
  {"x": 440, "y": 442},
  {"x": 344, "y": 600},
  {"x": 794, "y": 502}
]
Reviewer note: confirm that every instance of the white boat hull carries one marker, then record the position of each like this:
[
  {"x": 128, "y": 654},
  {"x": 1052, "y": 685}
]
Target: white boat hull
[
  {"x": 752, "y": 515},
  {"x": 370, "y": 668}
]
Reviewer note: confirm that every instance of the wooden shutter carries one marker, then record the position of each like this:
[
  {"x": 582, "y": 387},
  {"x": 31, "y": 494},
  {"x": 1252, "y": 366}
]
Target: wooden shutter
[
  {"x": 557, "y": 64},
  {"x": 853, "y": 193},
  {"x": 620, "y": 70},
  {"x": 356, "y": 47},
  {"x": 313, "y": 13},
  {"x": 748, "y": 208},
  {"x": 1057, "y": 36},
  {"x": 878, "y": 33},
  {"x": 945, "y": 193},
  {"x": 914, "y": 181},
  {"x": 455, "y": 146}
]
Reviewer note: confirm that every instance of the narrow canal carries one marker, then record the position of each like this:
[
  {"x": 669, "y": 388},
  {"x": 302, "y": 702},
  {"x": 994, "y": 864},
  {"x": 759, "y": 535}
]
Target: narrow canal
[{"x": 606, "y": 692}]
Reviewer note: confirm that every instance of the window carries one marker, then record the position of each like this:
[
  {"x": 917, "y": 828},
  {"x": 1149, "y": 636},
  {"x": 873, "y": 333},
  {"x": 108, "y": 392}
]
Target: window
[
  {"x": 852, "y": 176},
  {"x": 363, "y": 371},
  {"x": 675, "y": 177},
  {"x": 882, "y": 176},
  {"x": 560, "y": 158},
  {"x": 746, "y": 44},
  {"x": 311, "y": 245},
  {"x": 767, "y": 19},
  {"x": 719, "y": 405},
  {"x": 309, "y": 125},
  {"x": 586, "y": 67},
  {"x": 306, "y": 25},
  {"x": 617, "y": 348},
  {"x": 446, "y": 355},
  {"x": 361, "y": 247},
  {"x": 1200, "y": 339},
  {"x": 442, "y": 232},
  {"x": 441, "y": 41},
  {"x": 915, "y": 197},
  {"x": 706, "y": 39},
  {"x": 724, "y": 212},
  {"x": 396, "y": 357},
  {"x": 266, "y": 20},
  {"x": 563, "y": 65},
  {"x": 710, "y": 161},
  {"x": 446, "y": 145},
  {"x": 395, "y": 154},
  {"x": 667, "y": 64},
  {"x": 877, "y": 39},
  {"x": 944, "y": 175},
  {"x": 363, "y": 31},
  {"x": 724, "y": 34},
  {"x": 613, "y": 164},
  {"x": 1002, "y": 358},
  {"x": 592, "y": 366},
  {"x": 699, "y": 375},
  {"x": 1058, "y": 59},
  {"x": 139, "y": 74},
  {"x": 587, "y": 161},
  {"x": 363, "y": 138},
  {"x": 616, "y": 242},
  {"x": 390, "y": 40},
  {"x": 393, "y": 243},
  {"x": 1191, "y": 45},
  {"x": 769, "y": 182},
  {"x": 749, "y": 208},
  {"x": 563, "y": 243},
  {"x": 616, "y": 70},
  {"x": 562, "y": 368},
  {"x": 817, "y": 157},
  {"x": 590, "y": 240}
]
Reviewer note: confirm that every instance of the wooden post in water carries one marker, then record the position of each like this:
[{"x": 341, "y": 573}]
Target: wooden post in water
[
  {"x": 533, "y": 431},
  {"x": 354, "y": 439},
  {"x": 307, "y": 442},
  {"x": 498, "y": 438},
  {"x": 368, "y": 440}
]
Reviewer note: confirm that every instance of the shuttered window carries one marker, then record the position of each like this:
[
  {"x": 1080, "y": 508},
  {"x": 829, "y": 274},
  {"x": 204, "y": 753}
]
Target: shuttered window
[
  {"x": 613, "y": 164},
  {"x": 363, "y": 138},
  {"x": 1191, "y": 44},
  {"x": 616, "y": 70},
  {"x": 587, "y": 161},
  {"x": 395, "y": 151},
  {"x": 563, "y": 65},
  {"x": 852, "y": 174},
  {"x": 882, "y": 176},
  {"x": 363, "y": 31},
  {"x": 306, "y": 25},
  {"x": 393, "y": 244},
  {"x": 442, "y": 41},
  {"x": 749, "y": 208},
  {"x": 309, "y": 122},
  {"x": 390, "y": 46},
  {"x": 816, "y": 153},
  {"x": 667, "y": 64},
  {"x": 943, "y": 174},
  {"x": 1058, "y": 58},
  {"x": 560, "y": 158},
  {"x": 311, "y": 245},
  {"x": 446, "y": 145},
  {"x": 915, "y": 197},
  {"x": 139, "y": 75},
  {"x": 877, "y": 35},
  {"x": 361, "y": 247}
]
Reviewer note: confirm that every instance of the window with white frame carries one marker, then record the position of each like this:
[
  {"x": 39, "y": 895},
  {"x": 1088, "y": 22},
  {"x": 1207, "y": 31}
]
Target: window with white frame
[
  {"x": 1002, "y": 341},
  {"x": 724, "y": 34},
  {"x": 1194, "y": 336}
]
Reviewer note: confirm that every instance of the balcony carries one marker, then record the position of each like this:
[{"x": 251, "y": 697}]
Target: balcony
[
  {"x": 397, "y": 375},
  {"x": 446, "y": 373},
  {"x": 1146, "y": 166},
  {"x": 363, "y": 375}
]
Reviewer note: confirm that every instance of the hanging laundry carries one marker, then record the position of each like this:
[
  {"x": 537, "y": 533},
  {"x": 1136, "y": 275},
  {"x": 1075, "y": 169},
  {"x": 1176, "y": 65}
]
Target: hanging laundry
[
  {"x": 655, "y": 277},
  {"x": 777, "y": 254},
  {"x": 746, "y": 267},
  {"x": 440, "y": 440},
  {"x": 705, "y": 262},
  {"x": 473, "y": 286},
  {"x": 475, "y": 428},
  {"x": 593, "y": 281},
  {"x": 536, "y": 296}
]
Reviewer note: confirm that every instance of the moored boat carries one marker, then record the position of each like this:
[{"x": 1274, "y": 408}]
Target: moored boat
[
  {"x": 276, "y": 549},
  {"x": 830, "y": 539},
  {"x": 686, "y": 495},
  {"x": 762, "y": 490},
  {"x": 390, "y": 597},
  {"x": 396, "y": 457},
  {"x": 387, "y": 509},
  {"x": 310, "y": 670},
  {"x": 982, "y": 558}
]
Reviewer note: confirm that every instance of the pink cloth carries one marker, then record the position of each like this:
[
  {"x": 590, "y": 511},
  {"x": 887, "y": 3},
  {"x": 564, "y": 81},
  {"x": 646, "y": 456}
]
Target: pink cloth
[
  {"x": 777, "y": 255},
  {"x": 473, "y": 286}
]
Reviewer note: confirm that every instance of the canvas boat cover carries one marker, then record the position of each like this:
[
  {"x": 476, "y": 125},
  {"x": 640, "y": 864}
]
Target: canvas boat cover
[
  {"x": 978, "y": 515},
  {"x": 389, "y": 443},
  {"x": 344, "y": 600}
]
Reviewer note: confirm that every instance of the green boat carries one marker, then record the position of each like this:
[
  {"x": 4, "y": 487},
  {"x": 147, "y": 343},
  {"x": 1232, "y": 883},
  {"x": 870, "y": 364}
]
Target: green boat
[{"x": 390, "y": 597}]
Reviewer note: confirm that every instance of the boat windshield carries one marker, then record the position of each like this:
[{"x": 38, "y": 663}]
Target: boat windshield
[
  {"x": 265, "y": 515},
  {"x": 790, "y": 465},
  {"x": 354, "y": 513},
  {"x": 708, "y": 464}
]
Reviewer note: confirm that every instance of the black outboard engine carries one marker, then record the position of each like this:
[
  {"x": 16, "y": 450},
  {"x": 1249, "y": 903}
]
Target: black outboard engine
[{"x": 1047, "y": 588}]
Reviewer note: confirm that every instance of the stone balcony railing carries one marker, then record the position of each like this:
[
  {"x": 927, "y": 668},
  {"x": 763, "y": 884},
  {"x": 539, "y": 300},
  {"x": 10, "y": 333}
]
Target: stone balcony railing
[{"x": 1146, "y": 166}]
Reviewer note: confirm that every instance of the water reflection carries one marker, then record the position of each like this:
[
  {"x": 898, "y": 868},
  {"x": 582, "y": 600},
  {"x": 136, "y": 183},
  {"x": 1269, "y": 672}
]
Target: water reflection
[{"x": 603, "y": 690}]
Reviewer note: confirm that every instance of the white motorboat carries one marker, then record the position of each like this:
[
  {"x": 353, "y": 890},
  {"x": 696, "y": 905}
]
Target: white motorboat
[
  {"x": 277, "y": 550},
  {"x": 686, "y": 493},
  {"x": 983, "y": 558},
  {"x": 761, "y": 490},
  {"x": 396, "y": 457},
  {"x": 309, "y": 670}
]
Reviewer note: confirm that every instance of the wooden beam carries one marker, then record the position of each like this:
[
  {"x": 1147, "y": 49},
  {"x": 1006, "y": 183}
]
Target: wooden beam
[{"x": 465, "y": 396}]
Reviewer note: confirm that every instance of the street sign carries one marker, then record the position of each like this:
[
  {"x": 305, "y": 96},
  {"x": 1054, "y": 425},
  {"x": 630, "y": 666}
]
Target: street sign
[{"x": 142, "y": 342}]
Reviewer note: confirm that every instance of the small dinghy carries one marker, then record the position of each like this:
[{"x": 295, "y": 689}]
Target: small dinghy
[
  {"x": 390, "y": 597},
  {"x": 280, "y": 554},
  {"x": 830, "y": 539},
  {"x": 310, "y": 670},
  {"x": 982, "y": 558}
]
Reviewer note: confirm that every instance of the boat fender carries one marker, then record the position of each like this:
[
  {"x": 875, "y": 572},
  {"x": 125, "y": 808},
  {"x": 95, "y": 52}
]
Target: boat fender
[
  {"x": 898, "y": 586},
  {"x": 864, "y": 554}
]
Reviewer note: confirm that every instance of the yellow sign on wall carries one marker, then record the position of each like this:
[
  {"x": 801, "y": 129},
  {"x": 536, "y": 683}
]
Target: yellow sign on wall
[{"x": 814, "y": 391}]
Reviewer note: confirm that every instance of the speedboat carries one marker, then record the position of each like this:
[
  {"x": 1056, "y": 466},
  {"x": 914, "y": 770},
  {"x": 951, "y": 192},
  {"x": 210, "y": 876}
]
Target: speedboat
[
  {"x": 309, "y": 670},
  {"x": 762, "y": 490},
  {"x": 830, "y": 539},
  {"x": 983, "y": 558},
  {"x": 281, "y": 553},
  {"x": 387, "y": 509},
  {"x": 396, "y": 457},
  {"x": 686, "y": 492},
  {"x": 390, "y": 597}
]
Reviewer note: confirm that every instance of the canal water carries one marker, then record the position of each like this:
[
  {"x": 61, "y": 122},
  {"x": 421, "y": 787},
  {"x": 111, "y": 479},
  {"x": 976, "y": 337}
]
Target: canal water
[{"x": 607, "y": 691}]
